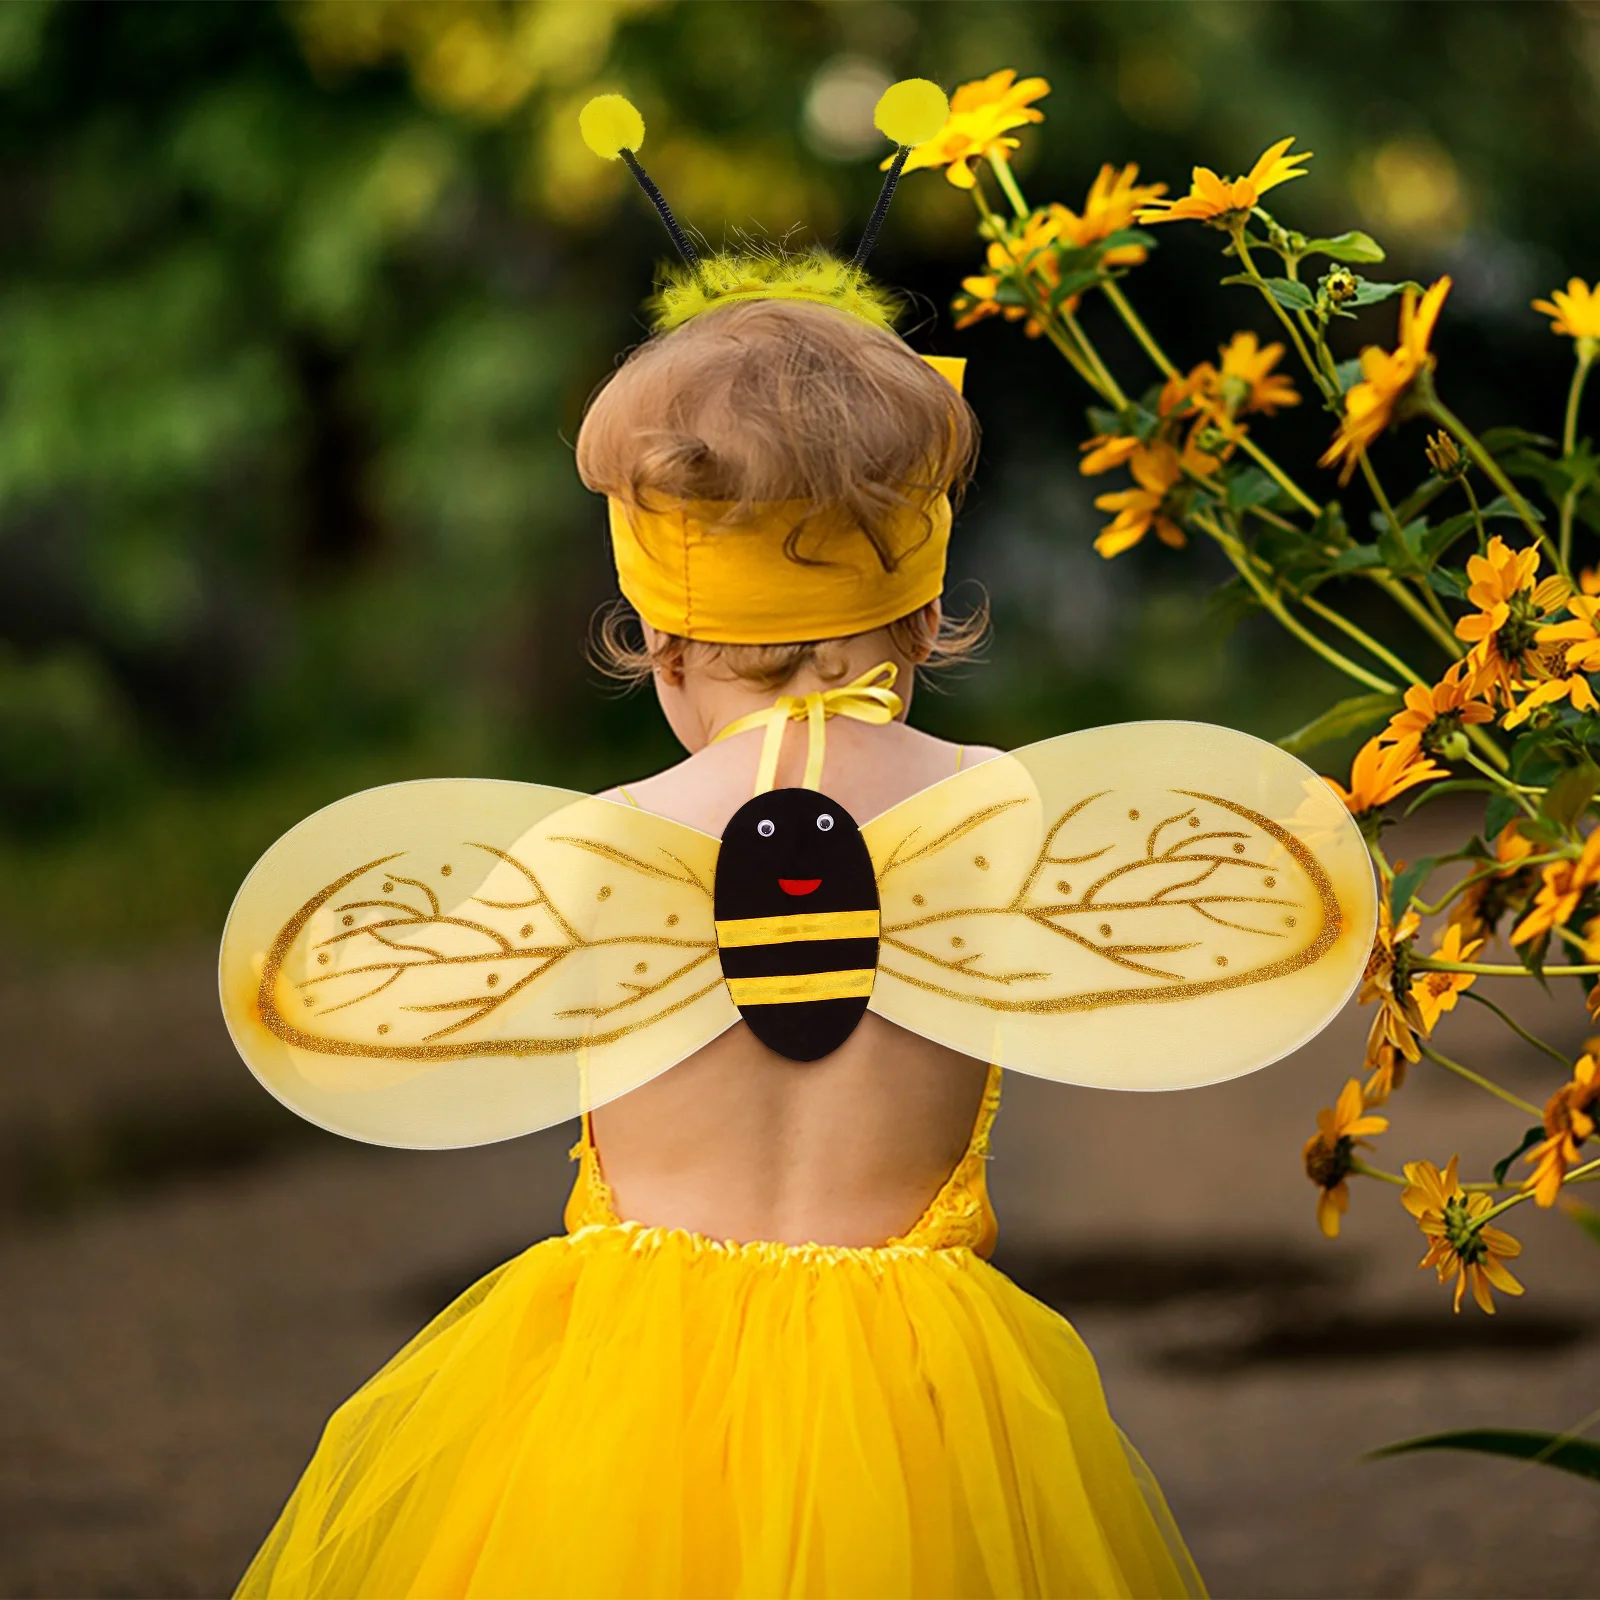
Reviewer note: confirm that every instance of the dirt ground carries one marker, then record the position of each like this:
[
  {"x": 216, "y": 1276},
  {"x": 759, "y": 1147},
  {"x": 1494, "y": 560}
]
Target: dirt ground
[{"x": 192, "y": 1280}]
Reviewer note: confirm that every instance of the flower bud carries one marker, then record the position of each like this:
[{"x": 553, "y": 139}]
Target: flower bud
[
  {"x": 1340, "y": 285},
  {"x": 1453, "y": 747},
  {"x": 1444, "y": 457}
]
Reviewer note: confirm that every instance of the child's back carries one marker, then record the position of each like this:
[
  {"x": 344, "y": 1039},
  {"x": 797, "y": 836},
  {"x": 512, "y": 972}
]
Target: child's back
[{"x": 736, "y": 1142}]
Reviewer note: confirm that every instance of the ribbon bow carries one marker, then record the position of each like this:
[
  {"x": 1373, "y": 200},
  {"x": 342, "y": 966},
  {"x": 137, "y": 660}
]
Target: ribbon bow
[{"x": 869, "y": 698}]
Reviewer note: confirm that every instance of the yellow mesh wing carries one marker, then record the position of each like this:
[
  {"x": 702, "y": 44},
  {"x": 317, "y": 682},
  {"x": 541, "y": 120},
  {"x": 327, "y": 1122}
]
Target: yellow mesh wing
[
  {"x": 458, "y": 961},
  {"x": 1154, "y": 905}
]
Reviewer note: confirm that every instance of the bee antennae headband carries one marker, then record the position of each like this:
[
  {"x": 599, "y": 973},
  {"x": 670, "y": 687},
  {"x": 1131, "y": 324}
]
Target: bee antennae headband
[{"x": 909, "y": 112}]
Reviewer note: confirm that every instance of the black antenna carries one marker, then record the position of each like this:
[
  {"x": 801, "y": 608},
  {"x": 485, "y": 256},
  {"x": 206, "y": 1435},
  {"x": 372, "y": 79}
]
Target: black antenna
[
  {"x": 659, "y": 201},
  {"x": 881, "y": 209}
]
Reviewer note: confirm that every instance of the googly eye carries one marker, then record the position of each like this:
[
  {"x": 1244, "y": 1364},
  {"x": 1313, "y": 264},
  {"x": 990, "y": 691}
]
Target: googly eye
[
  {"x": 824, "y": 822},
  {"x": 766, "y": 828}
]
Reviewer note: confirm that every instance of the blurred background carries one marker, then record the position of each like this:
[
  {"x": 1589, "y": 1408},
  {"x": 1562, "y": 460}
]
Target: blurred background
[{"x": 299, "y": 309}]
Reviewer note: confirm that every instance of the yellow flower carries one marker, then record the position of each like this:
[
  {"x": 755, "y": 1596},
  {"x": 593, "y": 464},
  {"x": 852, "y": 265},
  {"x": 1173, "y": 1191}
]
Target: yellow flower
[
  {"x": 1461, "y": 1251},
  {"x": 1568, "y": 1121},
  {"x": 1246, "y": 381},
  {"x": 1105, "y": 451},
  {"x": 1381, "y": 771},
  {"x": 1437, "y": 992},
  {"x": 982, "y": 113},
  {"x": 1432, "y": 715},
  {"x": 1157, "y": 469},
  {"x": 1222, "y": 201},
  {"x": 1581, "y": 639},
  {"x": 1027, "y": 253},
  {"x": 1114, "y": 200},
  {"x": 1563, "y": 887},
  {"x": 1478, "y": 911},
  {"x": 1328, "y": 1153},
  {"x": 1505, "y": 628},
  {"x": 1575, "y": 312},
  {"x": 1392, "y": 1039},
  {"x": 1386, "y": 377}
]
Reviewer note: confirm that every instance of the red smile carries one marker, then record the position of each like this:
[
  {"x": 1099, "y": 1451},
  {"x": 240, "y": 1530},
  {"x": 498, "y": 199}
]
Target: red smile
[{"x": 799, "y": 885}]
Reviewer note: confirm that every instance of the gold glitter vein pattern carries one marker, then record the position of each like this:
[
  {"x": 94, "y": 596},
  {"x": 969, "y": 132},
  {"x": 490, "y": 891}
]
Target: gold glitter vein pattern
[
  {"x": 567, "y": 944},
  {"x": 1121, "y": 904}
]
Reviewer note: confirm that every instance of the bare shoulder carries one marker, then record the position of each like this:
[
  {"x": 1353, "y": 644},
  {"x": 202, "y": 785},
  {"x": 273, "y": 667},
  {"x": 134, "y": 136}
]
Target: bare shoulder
[{"x": 867, "y": 770}]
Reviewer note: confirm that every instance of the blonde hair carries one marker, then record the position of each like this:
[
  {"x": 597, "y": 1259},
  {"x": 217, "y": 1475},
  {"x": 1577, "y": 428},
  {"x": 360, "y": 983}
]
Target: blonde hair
[
  {"x": 619, "y": 649},
  {"x": 770, "y": 400}
]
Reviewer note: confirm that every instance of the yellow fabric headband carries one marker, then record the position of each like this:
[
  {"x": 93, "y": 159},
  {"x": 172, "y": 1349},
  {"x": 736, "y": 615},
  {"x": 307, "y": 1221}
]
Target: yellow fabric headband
[{"x": 686, "y": 576}]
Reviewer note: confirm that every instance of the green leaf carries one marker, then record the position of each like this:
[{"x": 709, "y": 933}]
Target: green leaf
[
  {"x": 1439, "y": 538},
  {"x": 1406, "y": 883},
  {"x": 1448, "y": 581},
  {"x": 1072, "y": 283},
  {"x": 1568, "y": 797},
  {"x": 1449, "y": 786},
  {"x": 1581, "y": 1456},
  {"x": 1354, "y": 247},
  {"x": 1124, "y": 237},
  {"x": 1532, "y": 955},
  {"x": 1358, "y": 558},
  {"x": 1529, "y": 1140},
  {"x": 1251, "y": 487},
  {"x": 1348, "y": 373},
  {"x": 1498, "y": 441},
  {"x": 1355, "y": 715},
  {"x": 1369, "y": 293},
  {"x": 1498, "y": 813},
  {"x": 1402, "y": 550},
  {"x": 1586, "y": 1217},
  {"x": 1294, "y": 296}
]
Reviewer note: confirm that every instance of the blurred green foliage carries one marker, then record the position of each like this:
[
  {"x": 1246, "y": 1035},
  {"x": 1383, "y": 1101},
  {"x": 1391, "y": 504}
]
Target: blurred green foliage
[{"x": 299, "y": 307}]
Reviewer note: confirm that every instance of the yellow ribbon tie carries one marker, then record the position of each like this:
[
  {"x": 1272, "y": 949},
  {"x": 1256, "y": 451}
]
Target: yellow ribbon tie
[{"x": 869, "y": 698}]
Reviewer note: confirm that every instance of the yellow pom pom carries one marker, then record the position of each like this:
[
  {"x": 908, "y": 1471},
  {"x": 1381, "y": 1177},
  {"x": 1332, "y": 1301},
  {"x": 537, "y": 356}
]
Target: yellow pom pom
[
  {"x": 610, "y": 124},
  {"x": 911, "y": 111}
]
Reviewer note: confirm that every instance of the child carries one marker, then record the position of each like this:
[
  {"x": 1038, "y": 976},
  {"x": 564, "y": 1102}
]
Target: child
[
  {"x": 848, "y": 1400},
  {"x": 769, "y": 1357}
]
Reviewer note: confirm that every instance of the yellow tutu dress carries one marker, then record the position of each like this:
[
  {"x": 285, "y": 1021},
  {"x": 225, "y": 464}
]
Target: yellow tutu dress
[{"x": 640, "y": 1411}]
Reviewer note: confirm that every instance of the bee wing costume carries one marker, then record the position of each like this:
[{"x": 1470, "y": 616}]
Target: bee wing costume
[
  {"x": 629, "y": 1410},
  {"x": 1148, "y": 906}
]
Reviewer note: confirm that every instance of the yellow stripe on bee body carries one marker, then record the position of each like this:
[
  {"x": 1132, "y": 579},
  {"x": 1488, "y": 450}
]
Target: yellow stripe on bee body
[
  {"x": 852, "y": 985},
  {"x": 802, "y": 925}
]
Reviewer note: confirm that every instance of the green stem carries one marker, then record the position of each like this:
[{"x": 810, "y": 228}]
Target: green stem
[
  {"x": 1364, "y": 639},
  {"x": 1515, "y": 790},
  {"x": 1366, "y": 1171},
  {"x": 1136, "y": 327},
  {"x": 1521, "y": 1032},
  {"x": 1242, "y": 250},
  {"x": 1358, "y": 1165},
  {"x": 1478, "y": 1078},
  {"x": 1569, "y": 444},
  {"x": 1488, "y": 969},
  {"x": 1008, "y": 183},
  {"x": 1491, "y": 469},
  {"x": 1092, "y": 356},
  {"x": 1278, "y": 475},
  {"x": 1403, "y": 597},
  {"x": 1246, "y": 570},
  {"x": 1477, "y": 516},
  {"x": 1499, "y": 868},
  {"x": 1052, "y": 330}
]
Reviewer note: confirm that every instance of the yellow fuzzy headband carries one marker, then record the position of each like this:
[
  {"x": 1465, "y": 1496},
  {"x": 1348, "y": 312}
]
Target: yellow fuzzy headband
[{"x": 681, "y": 569}]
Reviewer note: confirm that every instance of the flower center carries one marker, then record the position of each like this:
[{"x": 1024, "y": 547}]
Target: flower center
[{"x": 1459, "y": 1233}]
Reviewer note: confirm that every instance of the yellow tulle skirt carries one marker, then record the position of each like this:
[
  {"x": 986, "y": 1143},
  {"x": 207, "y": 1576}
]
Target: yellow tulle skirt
[{"x": 630, "y": 1411}]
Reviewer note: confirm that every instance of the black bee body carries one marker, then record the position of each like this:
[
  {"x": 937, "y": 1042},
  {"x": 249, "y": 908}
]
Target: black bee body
[{"x": 796, "y": 903}]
